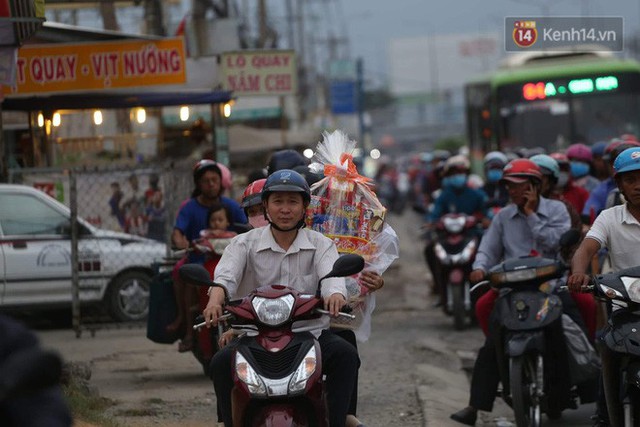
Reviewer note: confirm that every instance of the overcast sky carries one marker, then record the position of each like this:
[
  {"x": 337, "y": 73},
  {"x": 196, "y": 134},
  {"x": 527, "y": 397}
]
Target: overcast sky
[{"x": 372, "y": 23}]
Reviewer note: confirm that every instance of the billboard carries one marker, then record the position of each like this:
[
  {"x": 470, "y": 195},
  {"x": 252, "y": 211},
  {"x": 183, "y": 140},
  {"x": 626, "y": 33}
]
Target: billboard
[
  {"x": 432, "y": 64},
  {"x": 101, "y": 65},
  {"x": 260, "y": 72}
]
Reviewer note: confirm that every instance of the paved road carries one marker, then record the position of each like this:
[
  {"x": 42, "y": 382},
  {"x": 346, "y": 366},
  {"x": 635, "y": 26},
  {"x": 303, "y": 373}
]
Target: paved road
[{"x": 411, "y": 374}]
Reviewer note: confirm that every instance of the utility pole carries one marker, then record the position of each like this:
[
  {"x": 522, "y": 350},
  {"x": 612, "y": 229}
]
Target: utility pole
[
  {"x": 108, "y": 13},
  {"x": 154, "y": 18}
]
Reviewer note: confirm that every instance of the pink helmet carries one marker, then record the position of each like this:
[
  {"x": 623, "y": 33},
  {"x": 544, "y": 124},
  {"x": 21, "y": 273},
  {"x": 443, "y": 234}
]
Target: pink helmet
[
  {"x": 227, "y": 181},
  {"x": 579, "y": 152}
]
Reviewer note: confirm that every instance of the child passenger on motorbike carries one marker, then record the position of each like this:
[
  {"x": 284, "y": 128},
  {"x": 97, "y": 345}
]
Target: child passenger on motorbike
[
  {"x": 618, "y": 230},
  {"x": 529, "y": 223},
  {"x": 285, "y": 253},
  {"x": 191, "y": 219}
]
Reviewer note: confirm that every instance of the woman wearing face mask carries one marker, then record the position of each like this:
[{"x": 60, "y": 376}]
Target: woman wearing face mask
[
  {"x": 580, "y": 158},
  {"x": 566, "y": 189}
]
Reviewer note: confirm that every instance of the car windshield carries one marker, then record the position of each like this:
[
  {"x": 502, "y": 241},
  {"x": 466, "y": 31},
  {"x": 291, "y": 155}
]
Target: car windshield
[{"x": 23, "y": 214}]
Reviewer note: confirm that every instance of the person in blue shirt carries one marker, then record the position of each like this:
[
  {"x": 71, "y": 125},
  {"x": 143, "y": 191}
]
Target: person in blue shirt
[
  {"x": 597, "y": 200},
  {"x": 193, "y": 218},
  {"x": 456, "y": 197}
]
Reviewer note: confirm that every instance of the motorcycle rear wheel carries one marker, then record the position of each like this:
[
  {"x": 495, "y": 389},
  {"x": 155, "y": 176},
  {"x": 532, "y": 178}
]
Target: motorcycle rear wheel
[{"x": 524, "y": 387}]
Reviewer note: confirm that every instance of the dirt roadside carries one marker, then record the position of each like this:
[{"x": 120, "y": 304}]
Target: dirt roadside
[{"x": 150, "y": 384}]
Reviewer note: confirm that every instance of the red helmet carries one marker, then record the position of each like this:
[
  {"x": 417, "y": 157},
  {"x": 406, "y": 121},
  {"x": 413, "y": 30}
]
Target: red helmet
[
  {"x": 253, "y": 193},
  {"x": 521, "y": 170}
]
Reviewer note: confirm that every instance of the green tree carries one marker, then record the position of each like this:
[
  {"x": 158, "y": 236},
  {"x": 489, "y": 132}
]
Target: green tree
[{"x": 452, "y": 143}]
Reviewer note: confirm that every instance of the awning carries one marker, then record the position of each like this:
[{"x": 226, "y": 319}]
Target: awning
[{"x": 114, "y": 100}]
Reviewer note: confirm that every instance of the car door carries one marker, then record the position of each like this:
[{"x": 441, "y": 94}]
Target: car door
[{"x": 37, "y": 249}]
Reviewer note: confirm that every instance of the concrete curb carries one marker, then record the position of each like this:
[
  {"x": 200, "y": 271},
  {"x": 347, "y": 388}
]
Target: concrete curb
[{"x": 445, "y": 390}]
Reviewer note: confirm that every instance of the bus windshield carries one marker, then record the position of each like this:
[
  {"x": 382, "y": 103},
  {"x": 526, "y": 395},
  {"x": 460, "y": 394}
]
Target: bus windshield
[{"x": 555, "y": 123}]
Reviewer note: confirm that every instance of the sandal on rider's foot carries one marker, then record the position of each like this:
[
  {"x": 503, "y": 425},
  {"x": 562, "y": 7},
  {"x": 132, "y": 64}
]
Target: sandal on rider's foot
[{"x": 185, "y": 346}]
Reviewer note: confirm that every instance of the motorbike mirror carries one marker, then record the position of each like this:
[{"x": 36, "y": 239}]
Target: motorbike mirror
[
  {"x": 195, "y": 274},
  {"x": 346, "y": 265},
  {"x": 29, "y": 370},
  {"x": 570, "y": 238}
]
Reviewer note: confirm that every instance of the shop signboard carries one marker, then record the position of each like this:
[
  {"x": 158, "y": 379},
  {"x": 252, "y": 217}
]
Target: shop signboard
[
  {"x": 84, "y": 67},
  {"x": 260, "y": 72}
]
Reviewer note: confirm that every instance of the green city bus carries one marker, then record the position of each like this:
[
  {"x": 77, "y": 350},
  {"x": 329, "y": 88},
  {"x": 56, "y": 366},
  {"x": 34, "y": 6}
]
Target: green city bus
[{"x": 552, "y": 100}]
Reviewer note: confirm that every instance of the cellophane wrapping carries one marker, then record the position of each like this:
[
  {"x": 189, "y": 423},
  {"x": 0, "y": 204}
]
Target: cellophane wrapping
[{"x": 345, "y": 209}]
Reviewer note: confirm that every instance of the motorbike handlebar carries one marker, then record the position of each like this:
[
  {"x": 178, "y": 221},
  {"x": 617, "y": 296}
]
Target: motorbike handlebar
[{"x": 340, "y": 314}]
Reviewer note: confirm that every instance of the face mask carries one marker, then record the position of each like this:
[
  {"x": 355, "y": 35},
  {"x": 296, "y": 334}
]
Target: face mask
[
  {"x": 563, "y": 179},
  {"x": 579, "y": 169},
  {"x": 258, "y": 221},
  {"x": 494, "y": 175},
  {"x": 455, "y": 181}
]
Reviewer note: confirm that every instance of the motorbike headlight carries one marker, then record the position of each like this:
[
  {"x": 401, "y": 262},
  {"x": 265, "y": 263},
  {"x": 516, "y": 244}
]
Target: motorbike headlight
[
  {"x": 632, "y": 286},
  {"x": 306, "y": 368},
  {"x": 249, "y": 376},
  {"x": 454, "y": 225},
  {"x": 273, "y": 311}
]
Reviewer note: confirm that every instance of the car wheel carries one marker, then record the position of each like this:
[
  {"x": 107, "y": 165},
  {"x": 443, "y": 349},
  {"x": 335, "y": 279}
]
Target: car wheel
[{"x": 128, "y": 296}]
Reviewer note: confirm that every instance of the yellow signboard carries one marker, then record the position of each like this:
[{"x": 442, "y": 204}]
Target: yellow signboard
[
  {"x": 95, "y": 66},
  {"x": 260, "y": 72}
]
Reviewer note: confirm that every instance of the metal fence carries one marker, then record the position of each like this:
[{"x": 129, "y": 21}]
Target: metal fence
[{"x": 120, "y": 226}]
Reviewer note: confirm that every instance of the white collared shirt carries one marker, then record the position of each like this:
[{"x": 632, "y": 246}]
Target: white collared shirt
[
  {"x": 254, "y": 259},
  {"x": 618, "y": 231}
]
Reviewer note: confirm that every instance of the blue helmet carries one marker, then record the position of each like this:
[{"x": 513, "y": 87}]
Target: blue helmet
[
  {"x": 597, "y": 149},
  {"x": 627, "y": 161},
  {"x": 286, "y": 180},
  {"x": 548, "y": 163}
]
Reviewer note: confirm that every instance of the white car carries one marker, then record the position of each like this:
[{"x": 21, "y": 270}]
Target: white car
[{"x": 115, "y": 269}]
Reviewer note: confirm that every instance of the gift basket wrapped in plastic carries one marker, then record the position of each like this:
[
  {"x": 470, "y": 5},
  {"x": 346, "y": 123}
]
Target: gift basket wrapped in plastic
[{"x": 345, "y": 209}]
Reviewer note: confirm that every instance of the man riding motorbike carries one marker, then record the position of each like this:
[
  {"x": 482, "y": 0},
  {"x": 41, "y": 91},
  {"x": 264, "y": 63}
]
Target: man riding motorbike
[
  {"x": 497, "y": 195},
  {"x": 618, "y": 230},
  {"x": 285, "y": 253},
  {"x": 456, "y": 196},
  {"x": 529, "y": 223}
]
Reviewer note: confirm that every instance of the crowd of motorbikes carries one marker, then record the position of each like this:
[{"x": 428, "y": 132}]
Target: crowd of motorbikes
[{"x": 278, "y": 373}]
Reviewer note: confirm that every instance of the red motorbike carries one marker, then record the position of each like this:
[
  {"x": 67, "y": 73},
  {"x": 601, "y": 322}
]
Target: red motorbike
[
  {"x": 163, "y": 304},
  {"x": 277, "y": 373},
  {"x": 456, "y": 241}
]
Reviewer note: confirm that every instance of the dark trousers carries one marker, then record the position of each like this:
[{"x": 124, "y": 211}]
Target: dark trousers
[
  {"x": 349, "y": 336},
  {"x": 340, "y": 364},
  {"x": 486, "y": 374}
]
